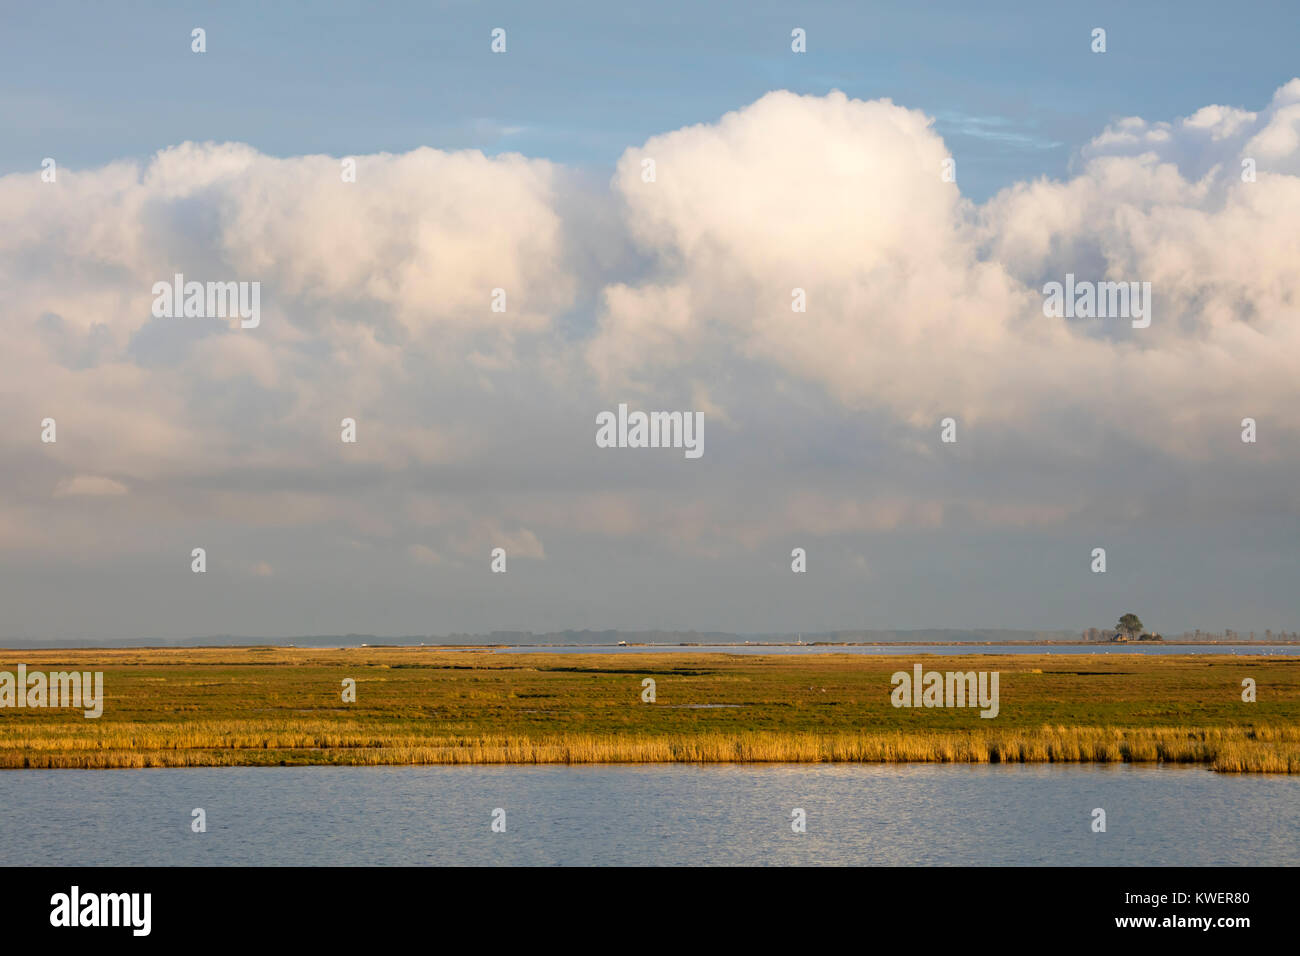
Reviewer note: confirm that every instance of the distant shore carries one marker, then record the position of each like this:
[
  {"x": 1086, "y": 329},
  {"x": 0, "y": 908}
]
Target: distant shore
[
  {"x": 269, "y": 706},
  {"x": 903, "y": 644},
  {"x": 379, "y": 644}
]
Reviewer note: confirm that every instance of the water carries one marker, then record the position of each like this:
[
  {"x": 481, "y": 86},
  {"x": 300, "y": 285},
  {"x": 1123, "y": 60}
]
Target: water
[
  {"x": 636, "y": 815},
  {"x": 896, "y": 649}
]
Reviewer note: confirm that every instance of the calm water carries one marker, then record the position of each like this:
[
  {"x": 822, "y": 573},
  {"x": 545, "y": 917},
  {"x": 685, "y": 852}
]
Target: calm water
[
  {"x": 633, "y": 815},
  {"x": 1290, "y": 649}
]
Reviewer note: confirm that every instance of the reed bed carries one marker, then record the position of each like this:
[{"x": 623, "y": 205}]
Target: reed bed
[{"x": 1232, "y": 750}]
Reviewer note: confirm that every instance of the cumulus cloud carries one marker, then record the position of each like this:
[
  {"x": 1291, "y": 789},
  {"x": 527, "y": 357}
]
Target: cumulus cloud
[
  {"x": 373, "y": 295},
  {"x": 475, "y": 427},
  {"x": 1167, "y": 203},
  {"x": 840, "y": 198},
  {"x": 922, "y": 304}
]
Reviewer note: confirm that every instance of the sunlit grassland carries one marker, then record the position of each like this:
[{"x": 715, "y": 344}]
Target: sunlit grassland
[{"x": 283, "y": 706}]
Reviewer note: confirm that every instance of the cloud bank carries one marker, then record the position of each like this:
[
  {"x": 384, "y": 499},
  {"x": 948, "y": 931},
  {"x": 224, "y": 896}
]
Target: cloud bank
[{"x": 382, "y": 301}]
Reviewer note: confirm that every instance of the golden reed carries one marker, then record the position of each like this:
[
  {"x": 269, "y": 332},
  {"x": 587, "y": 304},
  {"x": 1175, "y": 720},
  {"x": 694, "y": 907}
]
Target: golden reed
[{"x": 1263, "y": 749}]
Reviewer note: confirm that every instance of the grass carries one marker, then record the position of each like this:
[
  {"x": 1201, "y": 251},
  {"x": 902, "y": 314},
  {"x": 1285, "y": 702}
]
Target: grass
[{"x": 282, "y": 706}]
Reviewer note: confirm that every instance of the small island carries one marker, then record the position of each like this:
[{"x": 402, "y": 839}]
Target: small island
[{"x": 1130, "y": 625}]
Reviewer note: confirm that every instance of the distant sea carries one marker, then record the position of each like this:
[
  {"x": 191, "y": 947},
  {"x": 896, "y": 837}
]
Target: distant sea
[{"x": 1033, "y": 641}]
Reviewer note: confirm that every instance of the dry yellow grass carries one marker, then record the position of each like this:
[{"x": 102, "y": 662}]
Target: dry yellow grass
[{"x": 1267, "y": 749}]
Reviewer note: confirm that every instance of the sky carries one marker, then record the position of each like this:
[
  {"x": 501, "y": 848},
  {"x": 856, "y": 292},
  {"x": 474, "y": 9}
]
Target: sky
[{"x": 525, "y": 171}]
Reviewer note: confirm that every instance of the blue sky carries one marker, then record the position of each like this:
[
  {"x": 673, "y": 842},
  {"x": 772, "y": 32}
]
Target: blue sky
[{"x": 1014, "y": 87}]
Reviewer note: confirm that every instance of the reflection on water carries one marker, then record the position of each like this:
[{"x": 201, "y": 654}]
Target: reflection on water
[{"x": 638, "y": 815}]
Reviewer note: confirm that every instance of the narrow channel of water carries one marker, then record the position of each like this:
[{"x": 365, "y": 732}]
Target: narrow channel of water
[{"x": 631, "y": 815}]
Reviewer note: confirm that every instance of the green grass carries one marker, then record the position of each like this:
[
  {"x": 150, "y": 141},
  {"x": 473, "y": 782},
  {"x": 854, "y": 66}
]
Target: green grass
[{"x": 256, "y": 706}]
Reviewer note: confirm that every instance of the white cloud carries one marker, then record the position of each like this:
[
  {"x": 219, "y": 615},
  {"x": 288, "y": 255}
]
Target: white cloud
[
  {"x": 89, "y": 486},
  {"x": 919, "y": 302},
  {"x": 474, "y": 426}
]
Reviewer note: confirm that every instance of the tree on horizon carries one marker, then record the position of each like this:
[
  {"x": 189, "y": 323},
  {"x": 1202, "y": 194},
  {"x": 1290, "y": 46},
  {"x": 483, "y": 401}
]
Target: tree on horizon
[{"x": 1130, "y": 624}]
